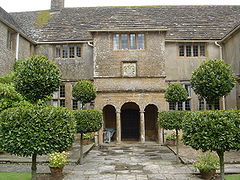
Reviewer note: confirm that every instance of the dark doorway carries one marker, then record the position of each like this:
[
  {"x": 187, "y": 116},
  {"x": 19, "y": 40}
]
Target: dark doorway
[
  {"x": 151, "y": 115},
  {"x": 109, "y": 117},
  {"x": 130, "y": 122}
]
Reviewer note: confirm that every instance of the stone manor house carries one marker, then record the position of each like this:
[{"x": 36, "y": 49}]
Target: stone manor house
[{"x": 130, "y": 53}]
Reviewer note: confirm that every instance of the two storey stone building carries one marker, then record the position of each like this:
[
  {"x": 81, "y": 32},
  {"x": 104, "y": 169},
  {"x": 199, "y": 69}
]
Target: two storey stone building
[{"x": 130, "y": 53}]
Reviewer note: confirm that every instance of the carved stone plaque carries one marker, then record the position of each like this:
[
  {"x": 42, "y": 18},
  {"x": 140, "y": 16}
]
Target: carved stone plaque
[{"x": 129, "y": 69}]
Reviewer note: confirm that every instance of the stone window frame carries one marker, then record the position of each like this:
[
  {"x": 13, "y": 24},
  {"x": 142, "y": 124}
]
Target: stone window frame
[
  {"x": 187, "y": 105},
  {"x": 183, "y": 50},
  {"x": 59, "y": 97},
  {"x": 11, "y": 39},
  {"x": 137, "y": 46},
  {"x": 204, "y": 105},
  {"x": 59, "y": 51}
]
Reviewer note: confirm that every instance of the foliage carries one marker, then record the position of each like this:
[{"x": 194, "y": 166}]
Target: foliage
[
  {"x": 43, "y": 18},
  {"x": 171, "y": 119},
  {"x": 213, "y": 79},
  {"x": 212, "y": 130},
  {"x": 232, "y": 177},
  {"x": 171, "y": 137},
  {"x": 84, "y": 91},
  {"x": 25, "y": 131},
  {"x": 176, "y": 93},
  {"x": 58, "y": 159},
  {"x": 88, "y": 120},
  {"x": 7, "y": 79},
  {"x": 88, "y": 136},
  {"x": 206, "y": 162},
  {"x": 14, "y": 176},
  {"x": 36, "y": 78}
]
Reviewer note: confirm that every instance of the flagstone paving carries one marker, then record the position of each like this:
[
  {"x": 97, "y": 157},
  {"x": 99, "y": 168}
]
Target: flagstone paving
[{"x": 131, "y": 162}]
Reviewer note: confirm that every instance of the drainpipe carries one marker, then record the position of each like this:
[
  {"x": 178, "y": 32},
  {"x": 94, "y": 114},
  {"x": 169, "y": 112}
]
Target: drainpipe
[
  {"x": 221, "y": 57},
  {"x": 17, "y": 46}
]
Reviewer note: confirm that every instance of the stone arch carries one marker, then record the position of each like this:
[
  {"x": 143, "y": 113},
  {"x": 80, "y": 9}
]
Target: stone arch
[
  {"x": 109, "y": 118},
  {"x": 151, "y": 127},
  {"x": 130, "y": 121}
]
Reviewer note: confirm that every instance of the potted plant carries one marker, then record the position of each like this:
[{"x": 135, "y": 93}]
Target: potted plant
[
  {"x": 207, "y": 164},
  {"x": 170, "y": 139},
  {"x": 87, "y": 138},
  {"x": 57, "y": 161}
]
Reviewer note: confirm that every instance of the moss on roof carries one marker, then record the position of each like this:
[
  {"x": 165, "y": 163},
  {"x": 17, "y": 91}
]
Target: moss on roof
[{"x": 43, "y": 18}]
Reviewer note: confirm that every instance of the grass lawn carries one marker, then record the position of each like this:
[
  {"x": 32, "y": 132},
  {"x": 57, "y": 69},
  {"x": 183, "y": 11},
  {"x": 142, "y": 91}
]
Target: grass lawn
[
  {"x": 232, "y": 177},
  {"x": 14, "y": 176}
]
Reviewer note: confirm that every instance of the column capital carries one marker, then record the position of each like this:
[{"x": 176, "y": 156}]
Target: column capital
[
  {"x": 142, "y": 111},
  {"x": 118, "y": 112}
]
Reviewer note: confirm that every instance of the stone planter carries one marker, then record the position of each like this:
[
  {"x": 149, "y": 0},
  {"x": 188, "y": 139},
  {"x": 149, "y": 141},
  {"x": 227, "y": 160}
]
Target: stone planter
[
  {"x": 208, "y": 174},
  {"x": 56, "y": 172}
]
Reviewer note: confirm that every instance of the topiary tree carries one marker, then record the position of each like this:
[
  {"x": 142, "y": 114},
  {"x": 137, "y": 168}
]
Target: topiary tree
[
  {"x": 217, "y": 131},
  {"x": 36, "y": 130},
  {"x": 172, "y": 120},
  {"x": 87, "y": 121},
  {"x": 84, "y": 91},
  {"x": 176, "y": 93},
  {"x": 36, "y": 78},
  {"x": 212, "y": 80}
]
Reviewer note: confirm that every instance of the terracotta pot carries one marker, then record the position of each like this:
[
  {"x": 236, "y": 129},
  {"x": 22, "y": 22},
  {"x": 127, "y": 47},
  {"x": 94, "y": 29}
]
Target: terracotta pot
[
  {"x": 86, "y": 141},
  {"x": 208, "y": 174},
  {"x": 170, "y": 142},
  {"x": 56, "y": 172}
]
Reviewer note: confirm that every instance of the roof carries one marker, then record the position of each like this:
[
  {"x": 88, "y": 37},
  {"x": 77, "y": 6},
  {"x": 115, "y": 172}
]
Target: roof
[{"x": 183, "y": 22}]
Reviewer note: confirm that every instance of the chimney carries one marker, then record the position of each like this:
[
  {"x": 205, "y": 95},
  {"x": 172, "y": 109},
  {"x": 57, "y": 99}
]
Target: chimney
[{"x": 57, "y": 5}]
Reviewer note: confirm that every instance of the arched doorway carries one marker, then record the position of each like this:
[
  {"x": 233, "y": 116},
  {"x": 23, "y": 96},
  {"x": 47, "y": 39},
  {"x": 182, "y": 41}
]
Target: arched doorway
[
  {"x": 150, "y": 116},
  {"x": 130, "y": 121},
  {"x": 109, "y": 117}
]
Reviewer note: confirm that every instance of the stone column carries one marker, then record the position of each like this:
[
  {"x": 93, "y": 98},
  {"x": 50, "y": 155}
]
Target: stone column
[
  {"x": 142, "y": 127},
  {"x": 160, "y": 135},
  {"x": 100, "y": 136},
  {"x": 118, "y": 123}
]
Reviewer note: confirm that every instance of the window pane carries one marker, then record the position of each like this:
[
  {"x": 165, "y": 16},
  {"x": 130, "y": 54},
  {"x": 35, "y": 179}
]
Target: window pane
[
  {"x": 71, "y": 52},
  {"x": 200, "y": 104},
  {"x": 78, "y": 51},
  {"x": 124, "y": 38},
  {"x": 195, "y": 50},
  {"x": 171, "y": 106},
  {"x": 188, "y": 105},
  {"x": 58, "y": 51},
  {"x": 62, "y": 91},
  {"x": 55, "y": 95},
  {"x": 65, "y": 51},
  {"x": 181, "y": 49},
  {"x": 55, "y": 103},
  {"x": 62, "y": 103},
  {"x": 116, "y": 41},
  {"x": 133, "y": 41},
  {"x": 188, "y": 88},
  {"x": 180, "y": 106},
  {"x": 141, "y": 41},
  {"x": 74, "y": 104},
  {"x": 202, "y": 50},
  {"x": 188, "y": 50}
]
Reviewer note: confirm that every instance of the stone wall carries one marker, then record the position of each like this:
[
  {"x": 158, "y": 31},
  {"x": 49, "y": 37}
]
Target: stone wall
[
  {"x": 71, "y": 69},
  {"x": 7, "y": 56},
  {"x": 231, "y": 55}
]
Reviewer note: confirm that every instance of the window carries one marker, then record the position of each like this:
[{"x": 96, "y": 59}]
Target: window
[
  {"x": 11, "y": 39},
  {"x": 191, "y": 49},
  {"x": 201, "y": 104},
  {"x": 181, "y": 49},
  {"x": 128, "y": 41},
  {"x": 171, "y": 106},
  {"x": 58, "y": 98},
  {"x": 216, "y": 105},
  {"x": 68, "y": 51},
  {"x": 75, "y": 104},
  {"x": 183, "y": 105}
]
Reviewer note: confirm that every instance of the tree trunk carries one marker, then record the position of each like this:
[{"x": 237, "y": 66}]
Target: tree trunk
[
  {"x": 212, "y": 107},
  {"x": 34, "y": 166},
  {"x": 81, "y": 150},
  {"x": 177, "y": 156},
  {"x": 221, "y": 158}
]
